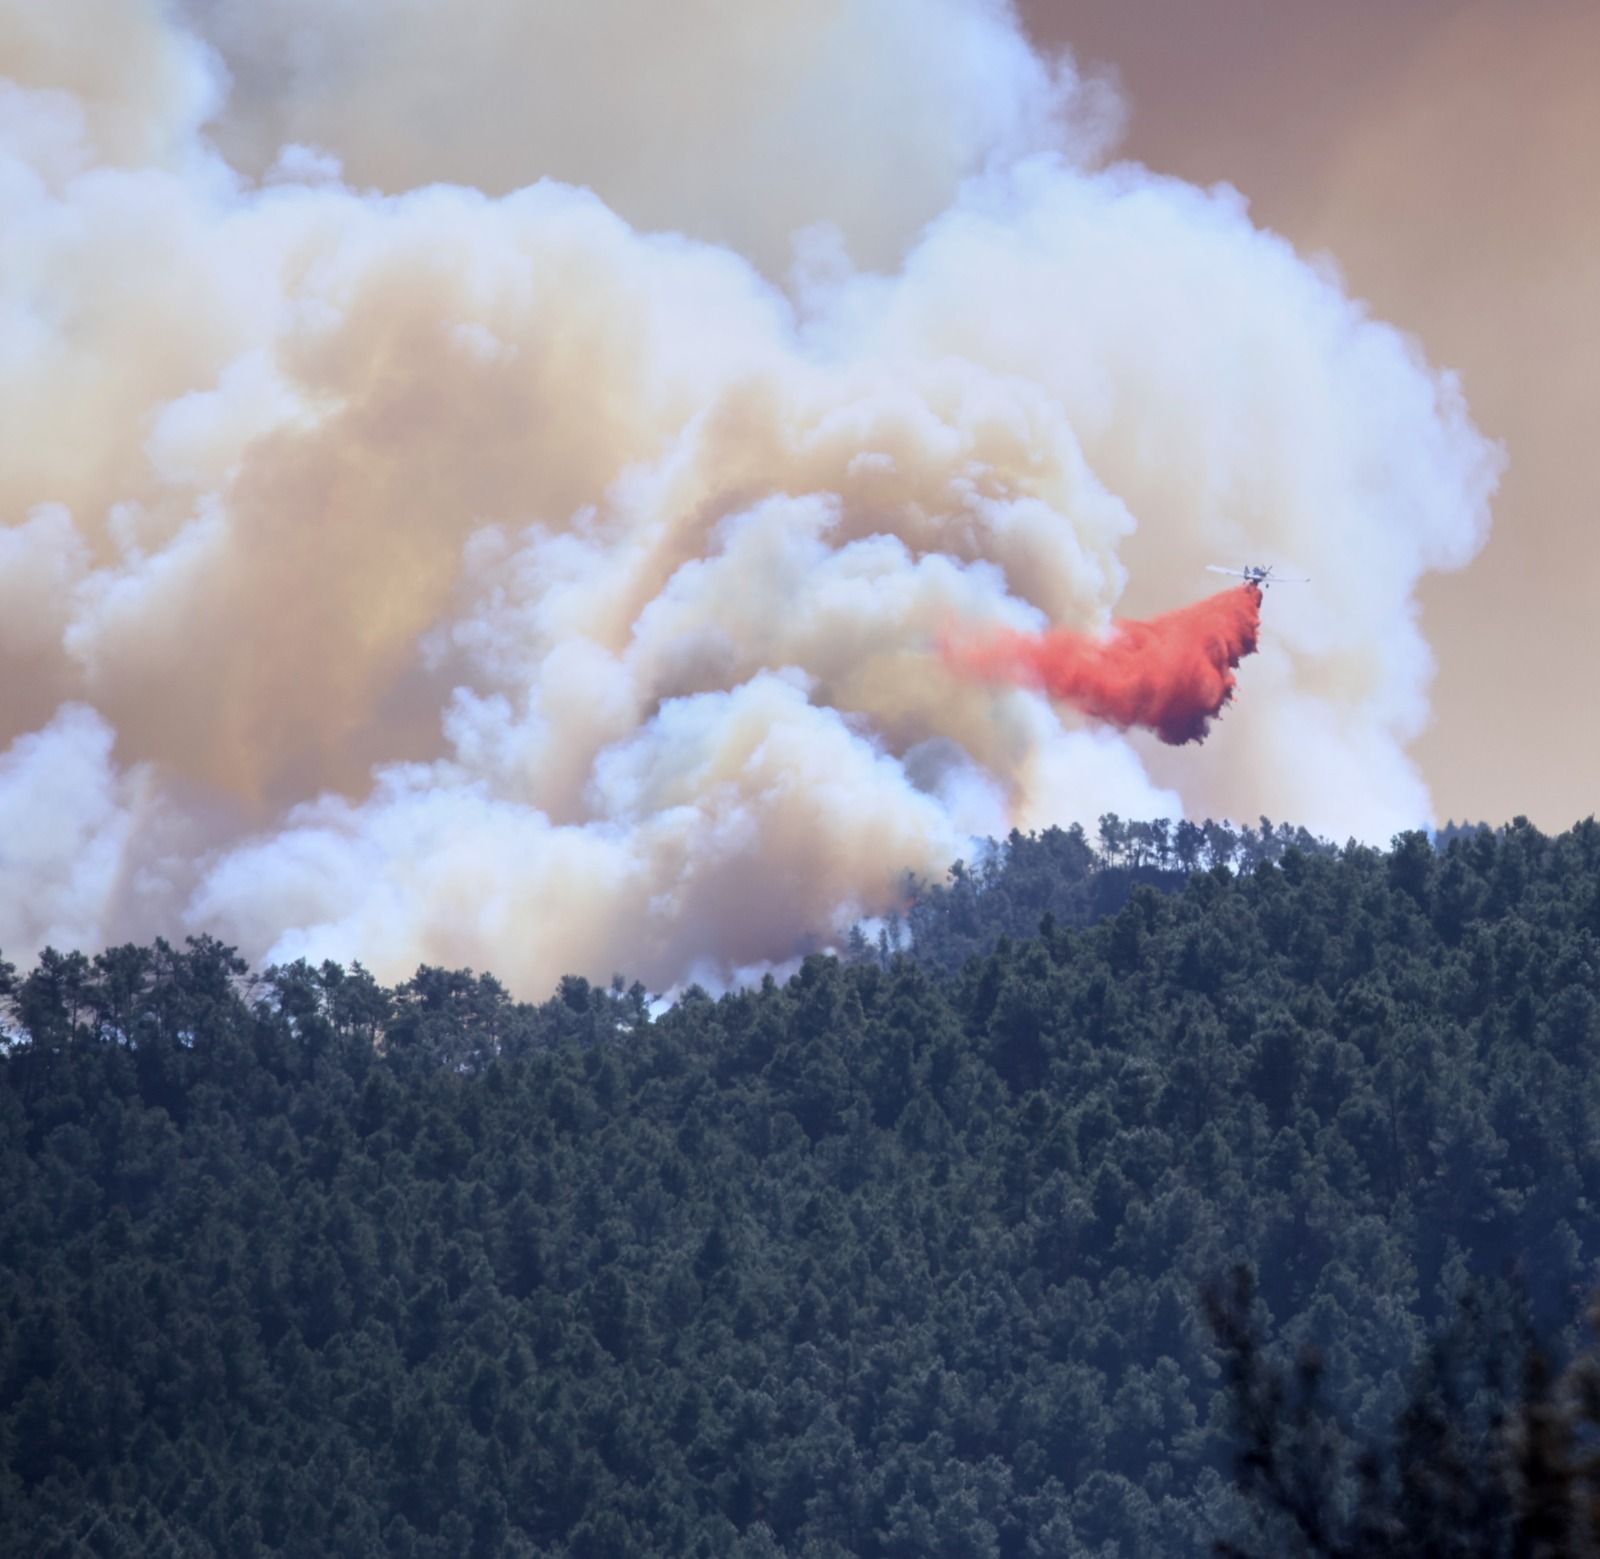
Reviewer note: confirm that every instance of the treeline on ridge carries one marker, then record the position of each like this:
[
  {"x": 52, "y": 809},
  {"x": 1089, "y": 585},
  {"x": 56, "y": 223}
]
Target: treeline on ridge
[{"x": 900, "y": 1256}]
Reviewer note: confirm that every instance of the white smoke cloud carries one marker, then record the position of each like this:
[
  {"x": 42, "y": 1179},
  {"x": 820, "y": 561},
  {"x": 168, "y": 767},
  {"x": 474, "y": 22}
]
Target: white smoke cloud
[
  {"x": 476, "y": 578},
  {"x": 738, "y": 121},
  {"x": 69, "y": 821}
]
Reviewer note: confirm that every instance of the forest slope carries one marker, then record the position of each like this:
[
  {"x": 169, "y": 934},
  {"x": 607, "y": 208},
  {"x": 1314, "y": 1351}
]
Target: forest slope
[{"x": 882, "y": 1260}]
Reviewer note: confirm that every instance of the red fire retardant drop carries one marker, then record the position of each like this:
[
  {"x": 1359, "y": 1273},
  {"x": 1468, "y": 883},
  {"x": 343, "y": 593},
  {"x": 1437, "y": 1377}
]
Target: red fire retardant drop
[{"x": 1171, "y": 674}]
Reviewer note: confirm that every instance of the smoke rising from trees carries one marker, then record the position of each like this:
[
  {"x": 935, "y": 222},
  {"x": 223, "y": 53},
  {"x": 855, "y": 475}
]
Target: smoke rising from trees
[{"x": 544, "y": 577}]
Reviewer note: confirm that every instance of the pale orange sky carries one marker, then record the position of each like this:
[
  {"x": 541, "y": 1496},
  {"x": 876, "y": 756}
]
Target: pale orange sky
[{"x": 1446, "y": 154}]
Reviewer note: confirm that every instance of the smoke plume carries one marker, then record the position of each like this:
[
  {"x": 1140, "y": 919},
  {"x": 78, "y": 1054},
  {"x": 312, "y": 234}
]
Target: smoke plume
[
  {"x": 512, "y": 525},
  {"x": 1170, "y": 675}
]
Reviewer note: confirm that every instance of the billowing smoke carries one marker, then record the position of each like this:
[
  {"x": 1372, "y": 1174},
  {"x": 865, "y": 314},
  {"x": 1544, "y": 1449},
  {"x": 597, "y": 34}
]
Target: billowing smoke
[
  {"x": 1170, "y": 675},
  {"x": 504, "y": 572}
]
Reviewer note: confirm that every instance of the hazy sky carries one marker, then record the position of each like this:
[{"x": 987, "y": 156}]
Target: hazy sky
[{"x": 1445, "y": 154}]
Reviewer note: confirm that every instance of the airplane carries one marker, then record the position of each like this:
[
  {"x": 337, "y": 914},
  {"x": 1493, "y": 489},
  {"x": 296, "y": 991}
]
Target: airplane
[{"x": 1259, "y": 576}]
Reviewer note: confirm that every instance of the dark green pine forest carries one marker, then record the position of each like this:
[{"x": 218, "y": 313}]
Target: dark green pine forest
[{"x": 1129, "y": 1194}]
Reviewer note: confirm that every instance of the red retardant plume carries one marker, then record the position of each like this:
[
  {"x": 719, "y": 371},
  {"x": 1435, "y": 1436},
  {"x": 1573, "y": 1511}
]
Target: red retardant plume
[{"x": 1171, "y": 674}]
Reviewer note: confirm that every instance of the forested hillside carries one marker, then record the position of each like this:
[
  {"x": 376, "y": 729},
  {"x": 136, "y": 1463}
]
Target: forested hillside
[
  {"x": 1059, "y": 873},
  {"x": 900, "y": 1257}
]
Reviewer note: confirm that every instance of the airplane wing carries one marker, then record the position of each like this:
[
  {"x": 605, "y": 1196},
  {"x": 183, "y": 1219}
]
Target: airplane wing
[{"x": 1233, "y": 572}]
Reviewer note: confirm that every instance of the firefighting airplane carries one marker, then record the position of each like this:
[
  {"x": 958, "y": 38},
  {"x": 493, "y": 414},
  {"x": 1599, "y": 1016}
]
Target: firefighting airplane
[{"x": 1255, "y": 574}]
